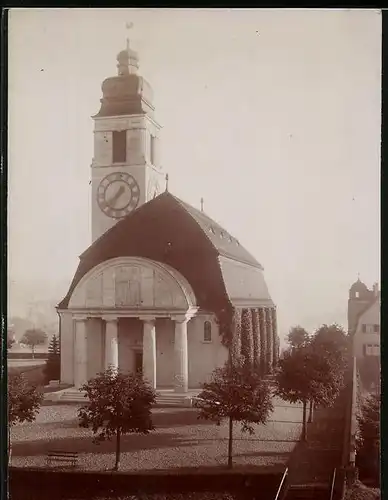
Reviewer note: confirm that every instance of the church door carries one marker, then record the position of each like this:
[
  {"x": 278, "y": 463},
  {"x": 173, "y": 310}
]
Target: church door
[{"x": 138, "y": 362}]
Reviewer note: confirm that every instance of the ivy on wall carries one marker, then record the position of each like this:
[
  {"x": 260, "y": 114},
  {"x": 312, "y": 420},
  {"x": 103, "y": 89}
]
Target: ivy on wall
[
  {"x": 263, "y": 340},
  {"x": 247, "y": 337},
  {"x": 235, "y": 348},
  {"x": 224, "y": 318},
  {"x": 256, "y": 337},
  {"x": 275, "y": 357},
  {"x": 268, "y": 327}
]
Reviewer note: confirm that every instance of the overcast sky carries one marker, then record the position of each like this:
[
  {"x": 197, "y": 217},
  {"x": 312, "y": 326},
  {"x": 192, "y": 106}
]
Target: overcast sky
[{"x": 272, "y": 116}]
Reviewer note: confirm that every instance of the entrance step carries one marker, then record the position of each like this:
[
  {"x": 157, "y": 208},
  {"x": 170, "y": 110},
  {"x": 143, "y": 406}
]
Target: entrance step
[
  {"x": 172, "y": 399},
  {"x": 163, "y": 398},
  {"x": 308, "y": 492}
]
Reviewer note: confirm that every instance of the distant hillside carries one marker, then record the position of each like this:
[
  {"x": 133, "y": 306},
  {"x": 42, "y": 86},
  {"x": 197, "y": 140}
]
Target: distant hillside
[{"x": 31, "y": 304}]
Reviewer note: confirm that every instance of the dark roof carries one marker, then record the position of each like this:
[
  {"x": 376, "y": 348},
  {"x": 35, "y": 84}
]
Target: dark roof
[
  {"x": 360, "y": 291},
  {"x": 222, "y": 241},
  {"x": 170, "y": 231}
]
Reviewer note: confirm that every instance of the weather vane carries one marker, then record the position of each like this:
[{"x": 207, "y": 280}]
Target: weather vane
[
  {"x": 201, "y": 204},
  {"x": 128, "y": 26}
]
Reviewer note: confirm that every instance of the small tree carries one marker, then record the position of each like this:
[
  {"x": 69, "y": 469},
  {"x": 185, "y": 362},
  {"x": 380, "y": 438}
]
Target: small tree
[
  {"x": 238, "y": 393},
  {"x": 24, "y": 401},
  {"x": 119, "y": 404},
  {"x": 53, "y": 368},
  {"x": 303, "y": 376},
  {"x": 332, "y": 342},
  {"x": 298, "y": 337},
  {"x": 368, "y": 442},
  {"x": 10, "y": 341},
  {"x": 33, "y": 338}
]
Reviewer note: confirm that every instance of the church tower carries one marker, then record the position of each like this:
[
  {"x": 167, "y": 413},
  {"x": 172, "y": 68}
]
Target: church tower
[{"x": 126, "y": 172}]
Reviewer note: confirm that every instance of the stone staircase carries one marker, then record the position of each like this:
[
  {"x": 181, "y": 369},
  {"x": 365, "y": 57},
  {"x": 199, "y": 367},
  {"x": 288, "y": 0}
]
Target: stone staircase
[
  {"x": 170, "y": 398},
  {"x": 165, "y": 398}
]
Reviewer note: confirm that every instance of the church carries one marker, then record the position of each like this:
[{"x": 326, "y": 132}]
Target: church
[{"x": 162, "y": 289}]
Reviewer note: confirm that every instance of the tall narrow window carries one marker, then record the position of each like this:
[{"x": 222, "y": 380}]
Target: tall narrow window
[
  {"x": 364, "y": 328},
  {"x": 152, "y": 149},
  {"x": 119, "y": 146},
  {"x": 376, "y": 328},
  {"x": 207, "y": 331}
]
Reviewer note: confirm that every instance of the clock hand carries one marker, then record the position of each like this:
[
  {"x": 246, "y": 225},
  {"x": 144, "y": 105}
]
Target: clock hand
[{"x": 115, "y": 197}]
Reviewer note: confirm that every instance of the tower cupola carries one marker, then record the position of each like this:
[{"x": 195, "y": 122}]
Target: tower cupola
[{"x": 128, "y": 93}]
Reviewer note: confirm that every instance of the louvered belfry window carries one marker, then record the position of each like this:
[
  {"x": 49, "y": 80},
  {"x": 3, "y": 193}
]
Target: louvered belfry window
[{"x": 119, "y": 146}]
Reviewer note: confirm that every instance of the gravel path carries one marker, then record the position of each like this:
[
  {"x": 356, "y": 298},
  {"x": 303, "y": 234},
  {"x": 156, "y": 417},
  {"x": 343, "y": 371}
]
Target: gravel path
[{"x": 179, "y": 441}]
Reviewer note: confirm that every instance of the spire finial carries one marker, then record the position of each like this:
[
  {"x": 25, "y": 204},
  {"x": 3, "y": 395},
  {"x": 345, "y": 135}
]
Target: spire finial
[
  {"x": 166, "y": 183},
  {"x": 128, "y": 61},
  {"x": 358, "y": 276},
  {"x": 201, "y": 204}
]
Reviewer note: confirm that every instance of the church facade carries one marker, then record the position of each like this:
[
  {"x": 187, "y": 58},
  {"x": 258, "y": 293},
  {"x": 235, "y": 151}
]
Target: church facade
[{"x": 163, "y": 289}]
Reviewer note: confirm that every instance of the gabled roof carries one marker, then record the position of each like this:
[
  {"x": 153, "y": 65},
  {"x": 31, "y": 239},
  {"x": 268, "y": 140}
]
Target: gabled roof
[
  {"x": 170, "y": 231},
  {"x": 221, "y": 240}
]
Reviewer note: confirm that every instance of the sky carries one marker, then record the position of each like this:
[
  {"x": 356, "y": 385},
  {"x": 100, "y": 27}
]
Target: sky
[{"x": 271, "y": 115}]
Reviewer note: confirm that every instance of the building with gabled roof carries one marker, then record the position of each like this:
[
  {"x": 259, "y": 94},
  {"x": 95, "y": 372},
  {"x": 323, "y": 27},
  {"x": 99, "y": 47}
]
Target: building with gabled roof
[
  {"x": 163, "y": 287},
  {"x": 364, "y": 327}
]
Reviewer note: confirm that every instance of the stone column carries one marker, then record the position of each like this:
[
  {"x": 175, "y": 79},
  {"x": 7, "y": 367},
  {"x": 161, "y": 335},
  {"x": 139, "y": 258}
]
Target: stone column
[
  {"x": 80, "y": 353},
  {"x": 149, "y": 351},
  {"x": 181, "y": 369},
  {"x": 111, "y": 343},
  {"x": 268, "y": 318}
]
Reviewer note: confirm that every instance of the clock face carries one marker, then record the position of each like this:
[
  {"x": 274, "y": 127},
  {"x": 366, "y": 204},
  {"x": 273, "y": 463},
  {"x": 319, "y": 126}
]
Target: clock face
[{"x": 118, "y": 194}]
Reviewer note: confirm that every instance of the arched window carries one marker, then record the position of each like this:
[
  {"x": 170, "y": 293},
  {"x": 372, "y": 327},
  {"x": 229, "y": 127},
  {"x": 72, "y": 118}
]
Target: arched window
[{"x": 207, "y": 331}]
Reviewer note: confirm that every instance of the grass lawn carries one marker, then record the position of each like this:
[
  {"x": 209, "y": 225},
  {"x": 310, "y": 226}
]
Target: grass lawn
[{"x": 179, "y": 441}]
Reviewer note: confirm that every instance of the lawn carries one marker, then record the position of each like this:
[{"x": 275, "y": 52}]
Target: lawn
[{"x": 179, "y": 441}]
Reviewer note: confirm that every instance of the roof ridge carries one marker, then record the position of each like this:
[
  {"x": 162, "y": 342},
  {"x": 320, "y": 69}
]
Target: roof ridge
[{"x": 212, "y": 222}]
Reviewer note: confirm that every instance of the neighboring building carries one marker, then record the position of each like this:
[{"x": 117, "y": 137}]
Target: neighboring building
[
  {"x": 364, "y": 319},
  {"x": 364, "y": 327},
  {"x": 162, "y": 287}
]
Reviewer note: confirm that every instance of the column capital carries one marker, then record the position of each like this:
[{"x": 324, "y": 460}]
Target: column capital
[
  {"x": 109, "y": 318},
  {"x": 80, "y": 317},
  {"x": 147, "y": 319},
  {"x": 180, "y": 318}
]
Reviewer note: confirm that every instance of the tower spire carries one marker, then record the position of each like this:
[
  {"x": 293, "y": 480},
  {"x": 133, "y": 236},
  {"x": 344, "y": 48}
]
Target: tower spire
[
  {"x": 166, "y": 183},
  {"x": 128, "y": 61}
]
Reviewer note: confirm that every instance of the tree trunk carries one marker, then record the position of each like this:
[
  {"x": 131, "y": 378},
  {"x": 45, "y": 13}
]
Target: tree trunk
[
  {"x": 230, "y": 444},
  {"x": 33, "y": 351},
  {"x": 304, "y": 426},
  {"x": 118, "y": 451},
  {"x": 311, "y": 411}
]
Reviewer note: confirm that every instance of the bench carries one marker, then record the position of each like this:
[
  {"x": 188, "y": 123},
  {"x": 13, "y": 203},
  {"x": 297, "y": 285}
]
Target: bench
[{"x": 69, "y": 457}]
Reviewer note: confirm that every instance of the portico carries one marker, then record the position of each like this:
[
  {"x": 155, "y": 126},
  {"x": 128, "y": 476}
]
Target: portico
[
  {"x": 144, "y": 294},
  {"x": 147, "y": 347}
]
